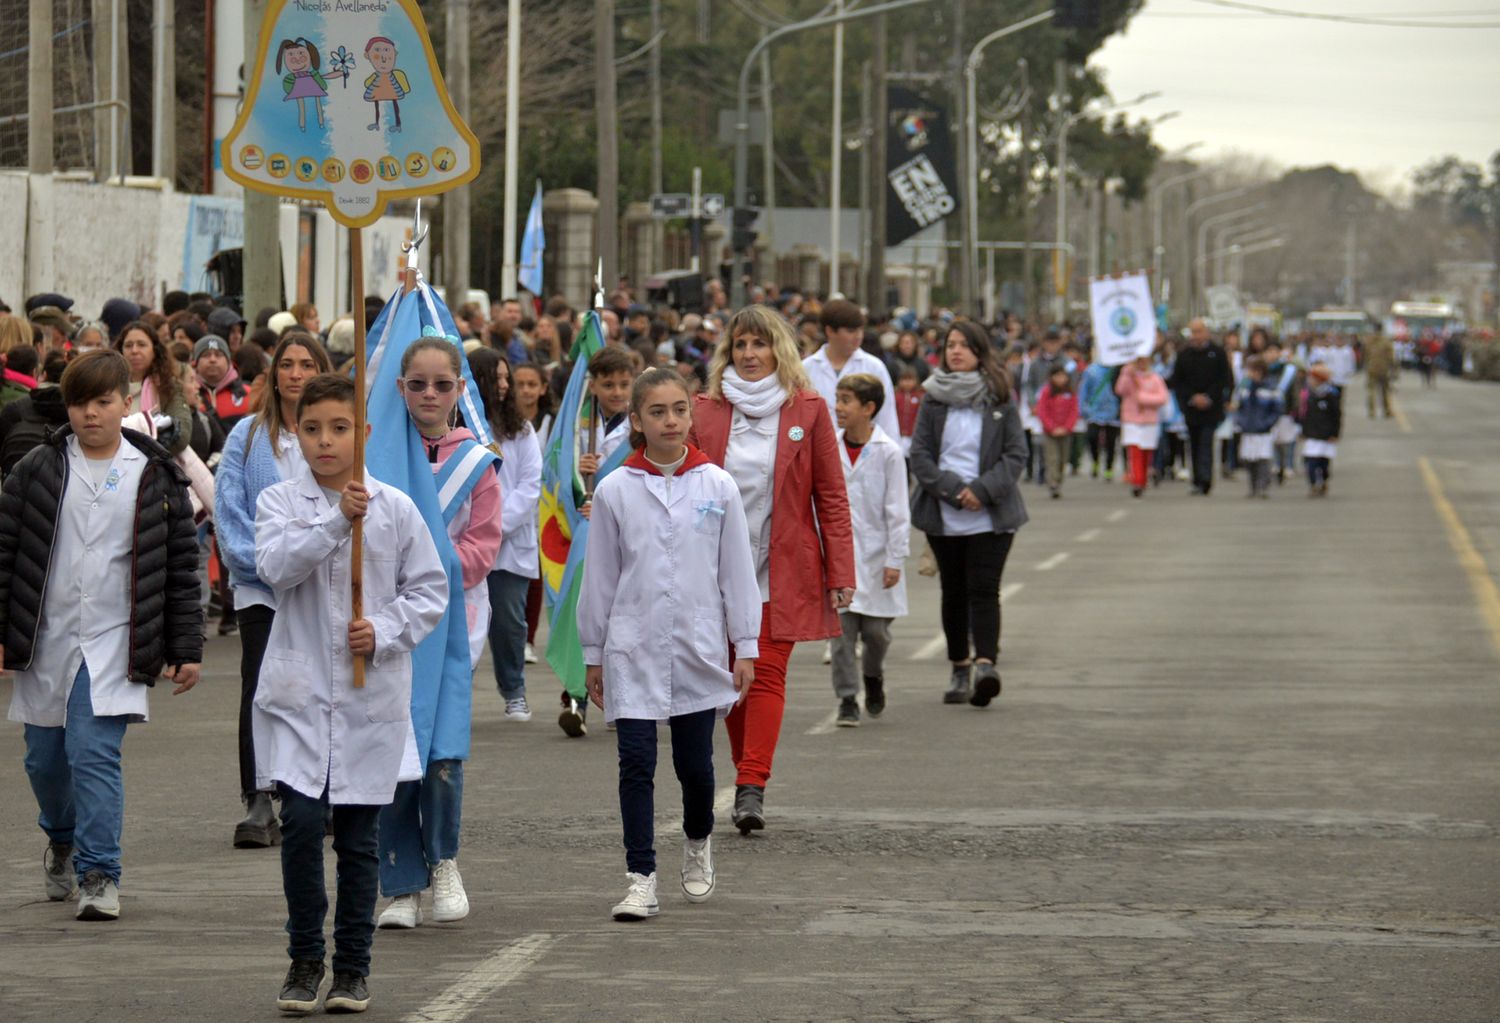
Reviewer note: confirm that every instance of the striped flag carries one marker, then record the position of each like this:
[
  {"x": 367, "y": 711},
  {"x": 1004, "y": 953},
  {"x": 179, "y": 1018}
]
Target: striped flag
[{"x": 533, "y": 244}]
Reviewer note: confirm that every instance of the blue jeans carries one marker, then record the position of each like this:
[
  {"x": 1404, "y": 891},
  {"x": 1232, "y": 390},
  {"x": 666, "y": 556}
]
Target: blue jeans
[
  {"x": 420, "y": 827},
  {"x": 508, "y": 631},
  {"x": 692, "y": 756},
  {"x": 303, "y": 828},
  {"x": 76, "y": 775}
]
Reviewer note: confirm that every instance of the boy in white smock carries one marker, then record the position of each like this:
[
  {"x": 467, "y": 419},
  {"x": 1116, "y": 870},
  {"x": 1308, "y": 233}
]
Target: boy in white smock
[
  {"x": 875, "y": 477},
  {"x": 319, "y": 740}
]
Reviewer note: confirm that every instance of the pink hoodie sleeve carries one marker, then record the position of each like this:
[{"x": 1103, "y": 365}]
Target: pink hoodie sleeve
[{"x": 479, "y": 543}]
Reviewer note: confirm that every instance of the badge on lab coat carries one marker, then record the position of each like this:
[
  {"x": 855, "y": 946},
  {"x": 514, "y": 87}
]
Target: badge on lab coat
[{"x": 795, "y": 433}]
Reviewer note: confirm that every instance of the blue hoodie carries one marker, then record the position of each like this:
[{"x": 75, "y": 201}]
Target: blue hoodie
[
  {"x": 1097, "y": 401},
  {"x": 1260, "y": 405}
]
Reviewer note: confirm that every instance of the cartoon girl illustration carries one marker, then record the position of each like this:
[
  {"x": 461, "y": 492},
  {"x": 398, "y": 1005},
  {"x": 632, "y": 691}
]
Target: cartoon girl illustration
[
  {"x": 388, "y": 83},
  {"x": 304, "y": 78}
]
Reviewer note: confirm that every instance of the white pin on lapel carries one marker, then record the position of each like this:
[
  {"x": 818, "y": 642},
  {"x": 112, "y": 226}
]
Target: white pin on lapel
[
  {"x": 995, "y": 415},
  {"x": 795, "y": 433}
]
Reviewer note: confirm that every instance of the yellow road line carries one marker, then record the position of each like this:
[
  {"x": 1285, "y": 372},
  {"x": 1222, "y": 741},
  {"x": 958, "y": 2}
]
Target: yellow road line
[
  {"x": 1400, "y": 415},
  {"x": 1486, "y": 593}
]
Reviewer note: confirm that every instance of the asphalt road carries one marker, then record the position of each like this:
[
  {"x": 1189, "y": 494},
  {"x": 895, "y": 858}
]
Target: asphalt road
[{"x": 1243, "y": 769}]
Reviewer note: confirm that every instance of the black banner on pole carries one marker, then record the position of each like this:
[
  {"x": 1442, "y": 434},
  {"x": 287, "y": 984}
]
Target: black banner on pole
[{"x": 922, "y": 182}]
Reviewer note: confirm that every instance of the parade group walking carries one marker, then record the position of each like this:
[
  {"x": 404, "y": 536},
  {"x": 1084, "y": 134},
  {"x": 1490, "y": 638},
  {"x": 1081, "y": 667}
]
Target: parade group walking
[{"x": 750, "y": 480}]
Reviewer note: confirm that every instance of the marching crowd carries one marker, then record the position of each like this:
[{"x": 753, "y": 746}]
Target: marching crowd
[{"x": 163, "y": 464}]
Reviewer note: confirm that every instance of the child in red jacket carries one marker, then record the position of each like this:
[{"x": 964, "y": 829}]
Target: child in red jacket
[{"x": 1057, "y": 408}]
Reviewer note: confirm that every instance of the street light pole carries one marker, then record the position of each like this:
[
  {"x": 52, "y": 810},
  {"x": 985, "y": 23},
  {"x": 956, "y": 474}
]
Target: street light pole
[
  {"x": 1203, "y": 229},
  {"x": 836, "y": 174},
  {"x": 1187, "y": 237}
]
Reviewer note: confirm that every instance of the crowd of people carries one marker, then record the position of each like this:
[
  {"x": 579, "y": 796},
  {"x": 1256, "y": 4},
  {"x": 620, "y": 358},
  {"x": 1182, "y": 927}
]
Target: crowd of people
[{"x": 163, "y": 467}]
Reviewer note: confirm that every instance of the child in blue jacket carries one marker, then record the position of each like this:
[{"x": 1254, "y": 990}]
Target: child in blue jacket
[{"x": 1258, "y": 405}]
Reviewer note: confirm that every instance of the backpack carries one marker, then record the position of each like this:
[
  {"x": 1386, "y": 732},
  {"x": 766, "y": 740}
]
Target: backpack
[{"x": 28, "y": 432}]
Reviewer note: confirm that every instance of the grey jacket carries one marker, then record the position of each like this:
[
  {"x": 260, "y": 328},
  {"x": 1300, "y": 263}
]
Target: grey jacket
[{"x": 1002, "y": 459}]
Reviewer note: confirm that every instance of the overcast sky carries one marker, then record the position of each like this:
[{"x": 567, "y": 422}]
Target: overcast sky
[{"x": 1377, "y": 100}]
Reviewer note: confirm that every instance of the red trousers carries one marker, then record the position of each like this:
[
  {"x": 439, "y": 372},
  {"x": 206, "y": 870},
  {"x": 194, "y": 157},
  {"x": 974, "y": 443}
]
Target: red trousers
[
  {"x": 755, "y": 725},
  {"x": 1140, "y": 464}
]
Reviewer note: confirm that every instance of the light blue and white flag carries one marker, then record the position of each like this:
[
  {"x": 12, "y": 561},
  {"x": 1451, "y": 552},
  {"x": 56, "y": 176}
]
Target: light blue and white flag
[{"x": 533, "y": 244}]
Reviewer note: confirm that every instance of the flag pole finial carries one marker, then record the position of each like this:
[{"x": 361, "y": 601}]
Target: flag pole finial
[{"x": 599, "y": 285}]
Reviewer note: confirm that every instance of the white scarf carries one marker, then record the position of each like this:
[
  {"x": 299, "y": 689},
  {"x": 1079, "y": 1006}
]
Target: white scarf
[{"x": 756, "y": 399}]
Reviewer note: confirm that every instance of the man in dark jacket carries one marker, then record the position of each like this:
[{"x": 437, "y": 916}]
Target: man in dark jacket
[
  {"x": 98, "y": 598},
  {"x": 1202, "y": 381}
]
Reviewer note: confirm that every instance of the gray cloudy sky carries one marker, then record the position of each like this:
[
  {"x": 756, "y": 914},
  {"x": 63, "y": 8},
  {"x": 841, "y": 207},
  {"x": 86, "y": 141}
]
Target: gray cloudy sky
[{"x": 1374, "y": 99}]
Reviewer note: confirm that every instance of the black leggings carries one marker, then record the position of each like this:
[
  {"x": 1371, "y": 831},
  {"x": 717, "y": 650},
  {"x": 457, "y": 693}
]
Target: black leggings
[
  {"x": 255, "y": 631},
  {"x": 1103, "y": 439},
  {"x": 969, "y": 569}
]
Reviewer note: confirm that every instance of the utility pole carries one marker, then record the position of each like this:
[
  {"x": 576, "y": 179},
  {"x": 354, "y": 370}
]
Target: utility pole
[
  {"x": 1351, "y": 265},
  {"x": 875, "y": 289},
  {"x": 969, "y": 268},
  {"x": 767, "y": 153},
  {"x": 609, "y": 154},
  {"x": 263, "y": 278},
  {"x": 456, "y": 202},
  {"x": 655, "y": 85},
  {"x": 1030, "y": 294},
  {"x": 836, "y": 174},
  {"x": 40, "y": 149},
  {"x": 164, "y": 92},
  {"x": 866, "y": 134},
  {"x": 512, "y": 149},
  {"x": 1060, "y": 255}
]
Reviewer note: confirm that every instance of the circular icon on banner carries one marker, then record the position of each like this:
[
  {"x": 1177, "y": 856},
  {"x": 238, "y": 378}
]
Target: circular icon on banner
[
  {"x": 795, "y": 433},
  {"x": 416, "y": 165},
  {"x": 333, "y": 170},
  {"x": 278, "y": 165},
  {"x": 444, "y": 159},
  {"x": 306, "y": 168},
  {"x": 361, "y": 171},
  {"x": 389, "y": 168},
  {"x": 251, "y": 157},
  {"x": 1122, "y": 320}
]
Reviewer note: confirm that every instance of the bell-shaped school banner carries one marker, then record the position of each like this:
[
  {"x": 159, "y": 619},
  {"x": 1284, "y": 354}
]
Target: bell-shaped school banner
[{"x": 346, "y": 106}]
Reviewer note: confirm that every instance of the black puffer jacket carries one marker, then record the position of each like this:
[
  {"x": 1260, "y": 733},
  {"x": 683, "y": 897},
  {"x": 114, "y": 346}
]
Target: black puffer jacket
[{"x": 166, "y": 621}]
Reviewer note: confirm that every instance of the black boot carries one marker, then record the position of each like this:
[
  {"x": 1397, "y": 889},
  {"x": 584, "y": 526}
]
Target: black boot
[
  {"x": 749, "y": 811},
  {"x": 874, "y": 695},
  {"x": 260, "y": 828},
  {"x": 986, "y": 685},
  {"x": 958, "y": 685}
]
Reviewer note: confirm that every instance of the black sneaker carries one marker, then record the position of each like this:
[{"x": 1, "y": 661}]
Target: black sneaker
[
  {"x": 348, "y": 994},
  {"x": 749, "y": 809},
  {"x": 299, "y": 993},
  {"x": 571, "y": 720},
  {"x": 874, "y": 695},
  {"x": 958, "y": 686},
  {"x": 848, "y": 713},
  {"x": 986, "y": 685}
]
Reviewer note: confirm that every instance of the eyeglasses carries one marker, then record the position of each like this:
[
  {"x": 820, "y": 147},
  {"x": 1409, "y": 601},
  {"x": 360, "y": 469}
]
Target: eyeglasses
[{"x": 422, "y": 386}]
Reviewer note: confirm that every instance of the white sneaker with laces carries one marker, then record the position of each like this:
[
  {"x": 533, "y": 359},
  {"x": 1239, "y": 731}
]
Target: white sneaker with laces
[
  {"x": 449, "y": 900},
  {"x": 530, "y": 656},
  {"x": 517, "y": 709},
  {"x": 98, "y": 898},
  {"x": 639, "y": 902},
  {"x": 404, "y": 913},
  {"x": 698, "y": 869},
  {"x": 57, "y": 871}
]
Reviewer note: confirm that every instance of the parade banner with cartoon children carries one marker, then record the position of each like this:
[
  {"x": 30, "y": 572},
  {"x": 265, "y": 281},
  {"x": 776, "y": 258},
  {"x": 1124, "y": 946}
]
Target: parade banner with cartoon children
[{"x": 302, "y": 132}]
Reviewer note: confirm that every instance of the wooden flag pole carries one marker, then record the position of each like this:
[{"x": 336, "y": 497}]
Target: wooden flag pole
[{"x": 357, "y": 562}]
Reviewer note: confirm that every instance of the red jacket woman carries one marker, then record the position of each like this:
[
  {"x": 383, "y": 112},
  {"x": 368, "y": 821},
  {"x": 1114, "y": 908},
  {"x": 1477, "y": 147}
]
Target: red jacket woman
[{"x": 763, "y": 422}]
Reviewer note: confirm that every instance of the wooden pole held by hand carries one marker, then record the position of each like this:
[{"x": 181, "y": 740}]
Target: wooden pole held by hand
[{"x": 357, "y": 562}]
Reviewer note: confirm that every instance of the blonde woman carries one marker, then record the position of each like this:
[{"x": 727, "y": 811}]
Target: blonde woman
[{"x": 762, "y": 421}]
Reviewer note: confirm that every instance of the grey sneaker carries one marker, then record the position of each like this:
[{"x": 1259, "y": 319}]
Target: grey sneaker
[
  {"x": 848, "y": 713},
  {"x": 958, "y": 685},
  {"x": 517, "y": 709},
  {"x": 349, "y": 993},
  {"x": 57, "y": 871},
  {"x": 749, "y": 808},
  {"x": 986, "y": 685},
  {"x": 98, "y": 897},
  {"x": 299, "y": 992},
  {"x": 698, "y": 869}
]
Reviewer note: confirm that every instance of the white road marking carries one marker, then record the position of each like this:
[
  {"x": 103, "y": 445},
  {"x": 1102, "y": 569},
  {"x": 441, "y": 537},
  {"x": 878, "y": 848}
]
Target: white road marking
[
  {"x": 1116, "y": 515},
  {"x": 937, "y": 644},
  {"x": 470, "y": 991},
  {"x": 1053, "y": 562},
  {"x": 825, "y": 726},
  {"x": 724, "y": 801},
  {"x": 1088, "y": 536}
]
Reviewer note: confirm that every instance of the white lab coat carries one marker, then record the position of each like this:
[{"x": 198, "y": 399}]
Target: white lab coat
[
  {"x": 825, "y": 380},
  {"x": 521, "y": 493},
  {"x": 880, "y": 515},
  {"x": 667, "y": 577},
  {"x": 311, "y": 726}
]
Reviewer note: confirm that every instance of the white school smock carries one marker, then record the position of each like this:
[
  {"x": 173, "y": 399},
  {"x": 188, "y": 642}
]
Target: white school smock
[
  {"x": 825, "y": 380},
  {"x": 668, "y": 584},
  {"x": 312, "y": 728},
  {"x": 86, "y": 607},
  {"x": 880, "y": 514},
  {"x": 520, "y": 494}
]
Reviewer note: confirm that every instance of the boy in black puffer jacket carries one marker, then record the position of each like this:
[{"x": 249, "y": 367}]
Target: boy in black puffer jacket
[{"x": 98, "y": 597}]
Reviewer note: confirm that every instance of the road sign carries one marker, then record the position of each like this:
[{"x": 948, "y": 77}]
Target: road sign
[
  {"x": 671, "y": 205},
  {"x": 712, "y": 205}
]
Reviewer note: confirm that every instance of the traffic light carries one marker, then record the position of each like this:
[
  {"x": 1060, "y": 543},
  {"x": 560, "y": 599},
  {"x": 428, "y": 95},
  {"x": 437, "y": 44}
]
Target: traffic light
[
  {"x": 743, "y": 237},
  {"x": 1081, "y": 14}
]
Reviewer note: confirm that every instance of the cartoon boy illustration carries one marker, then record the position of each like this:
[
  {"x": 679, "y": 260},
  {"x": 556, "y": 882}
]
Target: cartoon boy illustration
[
  {"x": 304, "y": 78},
  {"x": 387, "y": 83}
]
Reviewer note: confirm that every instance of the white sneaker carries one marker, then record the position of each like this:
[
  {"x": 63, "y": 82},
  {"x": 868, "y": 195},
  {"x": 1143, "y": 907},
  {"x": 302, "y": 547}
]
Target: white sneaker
[
  {"x": 639, "y": 902},
  {"x": 828, "y": 652},
  {"x": 530, "y": 657},
  {"x": 57, "y": 871},
  {"x": 517, "y": 709},
  {"x": 698, "y": 869},
  {"x": 404, "y": 912},
  {"x": 98, "y": 898},
  {"x": 449, "y": 900}
]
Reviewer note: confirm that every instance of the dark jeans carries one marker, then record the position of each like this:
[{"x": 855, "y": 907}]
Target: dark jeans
[
  {"x": 255, "y": 630},
  {"x": 1318, "y": 470},
  {"x": 969, "y": 570},
  {"x": 1103, "y": 439},
  {"x": 354, "y": 842},
  {"x": 508, "y": 631},
  {"x": 1201, "y": 448},
  {"x": 692, "y": 756}
]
